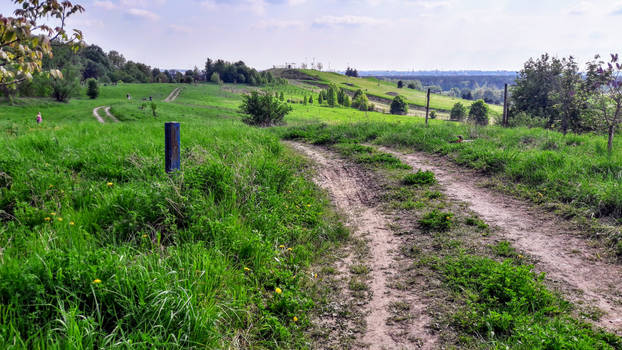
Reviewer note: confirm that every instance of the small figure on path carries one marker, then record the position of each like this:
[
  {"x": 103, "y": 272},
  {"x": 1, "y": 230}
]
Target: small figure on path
[
  {"x": 459, "y": 140},
  {"x": 39, "y": 118},
  {"x": 129, "y": 97},
  {"x": 150, "y": 98}
]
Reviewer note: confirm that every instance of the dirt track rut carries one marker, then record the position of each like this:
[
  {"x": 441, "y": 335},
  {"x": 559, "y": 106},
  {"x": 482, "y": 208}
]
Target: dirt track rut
[
  {"x": 349, "y": 187},
  {"x": 173, "y": 95},
  {"x": 564, "y": 256}
]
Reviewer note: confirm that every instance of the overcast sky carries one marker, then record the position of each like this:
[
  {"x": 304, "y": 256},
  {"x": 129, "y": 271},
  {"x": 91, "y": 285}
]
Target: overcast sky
[{"x": 365, "y": 34}]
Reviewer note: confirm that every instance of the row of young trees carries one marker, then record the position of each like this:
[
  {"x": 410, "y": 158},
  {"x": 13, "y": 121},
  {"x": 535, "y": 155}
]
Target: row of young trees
[{"x": 553, "y": 93}]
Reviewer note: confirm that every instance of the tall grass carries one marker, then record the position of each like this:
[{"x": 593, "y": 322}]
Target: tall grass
[{"x": 101, "y": 248}]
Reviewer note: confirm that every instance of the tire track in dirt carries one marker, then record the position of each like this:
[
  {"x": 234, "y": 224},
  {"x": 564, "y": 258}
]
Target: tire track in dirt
[
  {"x": 173, "y": 95},
  {"x": 560, "y": 252},
  {"x": 96, "y": 114},
  {"x": 110, "y": 116},
  {"x": 349, "y": 187}
]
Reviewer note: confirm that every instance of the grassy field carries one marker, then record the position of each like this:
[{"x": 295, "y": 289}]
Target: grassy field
[
  {"x": 381, "y": 89},
  {"x": 100, "y": 248}
]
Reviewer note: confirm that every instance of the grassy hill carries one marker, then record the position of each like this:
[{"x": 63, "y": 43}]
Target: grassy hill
[{"x": 376, "y": 89}]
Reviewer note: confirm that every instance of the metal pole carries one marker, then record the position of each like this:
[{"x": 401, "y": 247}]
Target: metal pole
[
  {"x": 505, "y": 106},
  {"x": 427, "y": 108},
  {"x": 172, "y": 147}
]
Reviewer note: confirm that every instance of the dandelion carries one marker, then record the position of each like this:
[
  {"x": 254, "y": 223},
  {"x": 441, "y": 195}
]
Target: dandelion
[
  {"x": 71, "y": 223},
  {"x": 247, "y": 269},
  {"x": 53, "y": 214},
  {"x": 289, "y": 249},
  {"x": 47, "y": 219},
  {"x": 109, "y": 184},
  {"x": 308, "y": 205},
  {"x": 51, "y": 186},
  {"x": 97, "y": 281},
  {"x": 281, "y": 246},
  {"x": 295, "y": 319},
  {"x": 60, "y": 219},
  {"x": 145, "y": 235},
  {"x": 520, "y": 256},
  {"x": 315, "y": 275},
  {"x": 540, "y": 194},
  {"x": 278, "y": 290}
]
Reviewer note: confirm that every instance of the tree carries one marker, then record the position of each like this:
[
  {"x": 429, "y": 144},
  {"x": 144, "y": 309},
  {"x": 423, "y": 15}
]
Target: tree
[
  {"x": 478, "y": 113},
  {"x": 22, "y": 49},
  {"x": 432, "y": 114},
  {"x": 400, "y": 84},
  {"x": 282, "y": 96},
  {"x": 331, "y": 96},
  {"x": 361, "y": 102},
  {"x": 341, "y": 96},
  {"x": 319, "y": 66},
  {"x": 66, "y": 85},
  {"x": 215, "y": 78},
  {"x": 346, "y": 101},
  {"x": 567, "y": 99},
  {"x": 263, "y": 109},
  {"x": 399, "y": 105},
  {"x": 319, "y": 98},
  {"x": 92, "y": 88},
  {"x": 311, "y": 99},
  {"x": 458, "y": 112},
  {"x": 351, "y": 72},
  {"x": 604, "y": 84},
  {"x": 357, "y": 93},
  {"x": 304, "y": 100}
]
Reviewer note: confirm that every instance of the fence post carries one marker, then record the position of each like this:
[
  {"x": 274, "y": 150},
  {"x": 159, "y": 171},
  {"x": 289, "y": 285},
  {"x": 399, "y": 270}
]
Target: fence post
[
  {"x": 427, "y": 108},
  {"x": 505, "y": 106},
  {"x": 172, "y": 147}
]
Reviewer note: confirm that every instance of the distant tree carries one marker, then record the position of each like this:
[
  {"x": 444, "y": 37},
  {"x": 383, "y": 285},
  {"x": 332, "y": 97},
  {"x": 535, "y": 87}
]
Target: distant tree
[
  {"x": 478, "y": 113},
  {"x": 568, "y": 98},
  {"x": 411, "y": 85},
  {"x": 263, "y": 109},
  {"x": 64, "y": 88},
  {"x": 466, "y": 94},
  {"x": 432, "y": 114},
  {"x": 311, "y": 99},
  {"x": 361, "y": 102},
  {"x": 92, "y": 88},
  {"x": 282, "y": 96},
  {"x": 400, "y": 84},
  {"x": 346, "y": 101},
  {"x": 331, "y": 96},
  {"x": 304, "y": 100},
  {"x": 320, "y": 99},
  {"x": 604, "y": 82},
  {"x": 215, "y": 78},
  {"x": 357, "y": 93},
  {"x": 351, "y": 72},
  {"x": 153, "y": 109},
  {"x": 341, "y": 95},
  {"x": 458, "y": 112},
  {"x": 399, "y": 105},
  {"x": 319, "y": 66}
]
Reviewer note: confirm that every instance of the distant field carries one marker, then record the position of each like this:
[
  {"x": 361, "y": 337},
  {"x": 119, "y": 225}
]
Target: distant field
[{"x": 381, "y": 89}]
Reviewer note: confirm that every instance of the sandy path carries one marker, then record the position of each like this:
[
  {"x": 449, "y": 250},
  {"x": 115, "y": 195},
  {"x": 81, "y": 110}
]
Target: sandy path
[
  {"x": 96, "y": 114},
  {"x": 560, "y": 252},
  {"x": 109, "y": 115},
  {"x": 349, "y": 188},
  {"x": 173, "y": 95}
]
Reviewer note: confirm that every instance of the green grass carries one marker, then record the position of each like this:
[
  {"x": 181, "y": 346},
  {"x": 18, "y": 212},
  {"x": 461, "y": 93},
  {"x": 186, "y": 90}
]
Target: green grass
[
  {"x": 380, "y": 88},
  {"x": 186, "y": 260}
]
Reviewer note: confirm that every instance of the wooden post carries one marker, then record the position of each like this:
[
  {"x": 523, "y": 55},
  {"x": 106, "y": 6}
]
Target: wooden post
[
  {"x": 427, "y": 108},
  {"x": 172, "y": 147},
  {"x": 505, "y": 106}
]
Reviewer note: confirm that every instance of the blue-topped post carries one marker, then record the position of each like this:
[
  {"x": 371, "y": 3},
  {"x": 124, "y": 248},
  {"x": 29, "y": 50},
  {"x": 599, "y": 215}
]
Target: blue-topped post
[{"x": 172, "y": 147}]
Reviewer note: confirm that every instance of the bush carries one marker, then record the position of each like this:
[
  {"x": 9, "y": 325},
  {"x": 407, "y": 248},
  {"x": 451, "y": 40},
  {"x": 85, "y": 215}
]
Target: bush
[
  {"x": 64, "y": 88},
  {"x": 458, "y": 112},
  {"x": 360, "y": 102},
  {"x": 479, "y": 113},
  {"x": 419, "y": 178},
  {"x": 437, "y": 221},
  {"x": 215, "y": 78},
  {"x": 433, "y": 114},
  {"x": 92, "y": 88},
  {"x": 263, "y": 109},
  {"x": 399, "y": 105}
]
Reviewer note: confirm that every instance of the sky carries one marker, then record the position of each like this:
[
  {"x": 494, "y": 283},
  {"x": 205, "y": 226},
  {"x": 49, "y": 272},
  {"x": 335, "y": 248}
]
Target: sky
[{"x": 365, "y": 34}]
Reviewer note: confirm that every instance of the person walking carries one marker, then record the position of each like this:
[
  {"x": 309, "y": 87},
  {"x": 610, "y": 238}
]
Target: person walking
[{"x": 39, "y": 118}]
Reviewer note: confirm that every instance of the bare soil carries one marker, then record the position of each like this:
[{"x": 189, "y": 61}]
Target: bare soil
[
  {"x": 110, "y": 116},
  {"x": 353, "y": 191},
  {"x": 173, "y": 95},
  {"x": 571, "y": 262},
  {"x": 96, "y": 114}
]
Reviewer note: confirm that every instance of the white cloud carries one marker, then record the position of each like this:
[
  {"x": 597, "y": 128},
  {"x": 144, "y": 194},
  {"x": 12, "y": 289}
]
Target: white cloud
[
  {"x": 180, "y": 29},
  {"x": 279, "y": 24},
  {"x": 295, "y": 2},
  {"x": 106, "y": 5},
  {"x": 142, "y": 3},
  {"x": 580, "y": 8},
  {"x": 257, "y": 7},
  {"x": 346, "y": 20},
  {"x": 143, "y": 14}
]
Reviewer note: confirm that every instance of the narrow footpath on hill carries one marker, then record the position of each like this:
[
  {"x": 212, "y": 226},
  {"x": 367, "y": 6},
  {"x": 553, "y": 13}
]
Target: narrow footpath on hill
[
  {"x": 354, "y": 192},
  {"x": 570, "y": 262},
  {"x": 108, "y": 114},
  {"x": 173, "y": 95}
]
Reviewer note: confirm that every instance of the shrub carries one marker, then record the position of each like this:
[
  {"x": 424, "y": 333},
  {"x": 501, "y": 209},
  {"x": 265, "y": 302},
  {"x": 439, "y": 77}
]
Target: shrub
[
  {"x": 478, "y": 113},
  {"x": 361, "y": 102},
  {"x": 263, "y": 109},
  {"x": 215, "y": 78},
  {"x": 64, "y": 88},
  {"x": 458, "y": 112},
  {"x": 153, "y": 108},
  {"x": 436, "y": 221},
  {"x": 92, "y": 88},
  {"x": 433, "y": 114},
  {"x": 419, "y": 178},
  {"x": 400, "y": 84},
  {"x": 399, "y": 105}
]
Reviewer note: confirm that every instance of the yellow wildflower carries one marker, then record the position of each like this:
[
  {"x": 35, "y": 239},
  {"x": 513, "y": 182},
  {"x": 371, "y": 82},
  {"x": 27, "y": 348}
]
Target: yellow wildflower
[
  {"x": 308, "y": 205},
  {"x": 53, "y": 214},
  {"x": 281, "y": 246},
  {"x": 289, "y": 249},
  {"x": 71, "y": 223},
  {"x": 97, "y": 281},
  {"x": 109, "y": 184},
  {"x": 540, "y": 194},
  {"x": 60, "y": 219},
  {"x": 51, "y": 186},
  {"x": 278, "y": 290},
  {"x": 47, "y": 218},
  {"x": 295, "y": 319},
  {"x": 145, "y": 235},
  {"x": 520, "y": 256},
  {"x": 315, "y": 275},
  {"x": 246, "y": 269}
]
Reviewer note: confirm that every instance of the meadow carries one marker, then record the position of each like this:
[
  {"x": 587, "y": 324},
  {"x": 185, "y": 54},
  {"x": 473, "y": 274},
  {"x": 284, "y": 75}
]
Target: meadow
[{"x": 101, "y": 248}]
